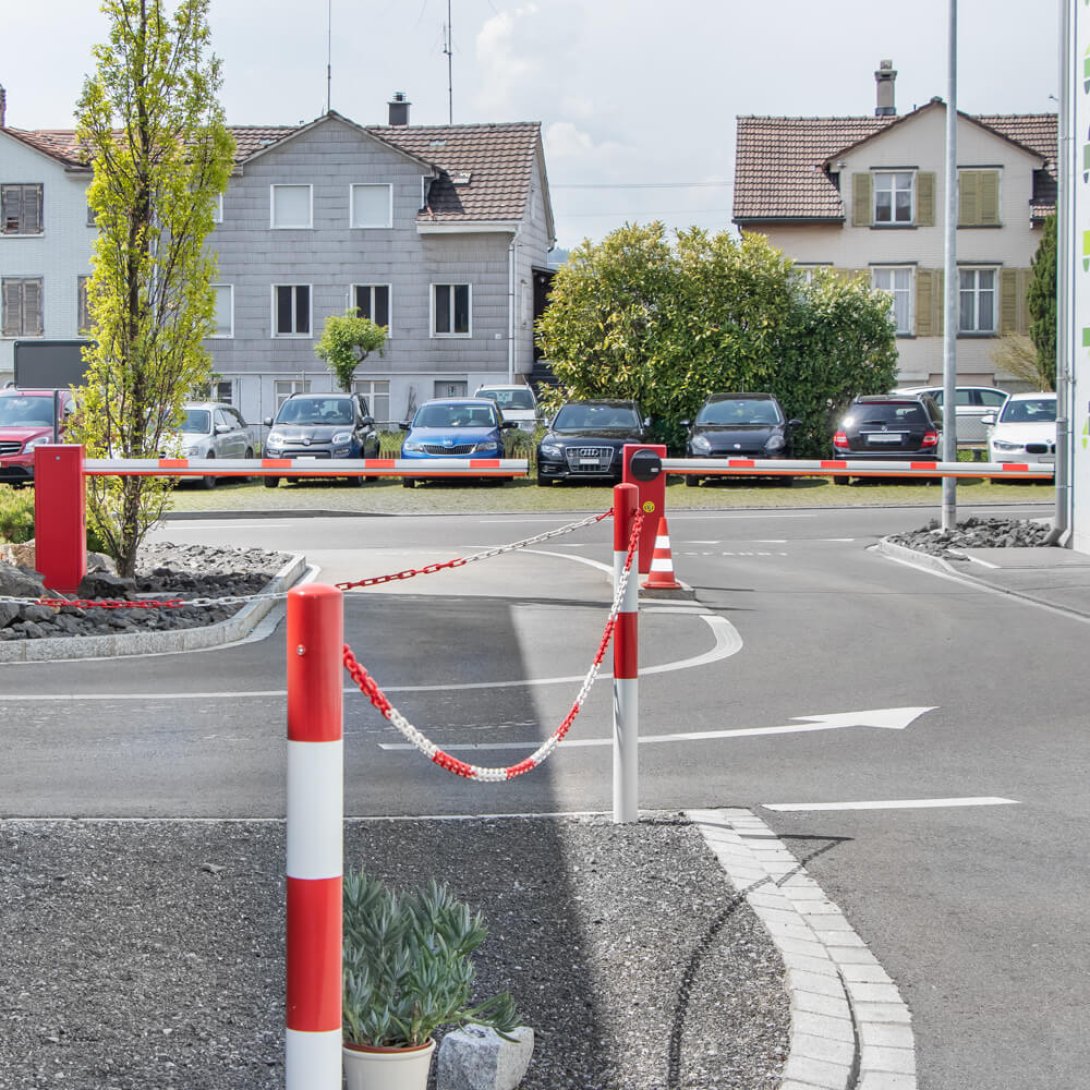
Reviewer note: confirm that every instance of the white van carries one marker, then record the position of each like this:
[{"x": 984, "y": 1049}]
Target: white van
[{"x": 515, "y": 402}]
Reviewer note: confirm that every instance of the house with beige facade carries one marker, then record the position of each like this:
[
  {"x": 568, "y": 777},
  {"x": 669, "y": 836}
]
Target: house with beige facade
[
  {"x": 866, "y": 196},
  {"x": 440, "y": 233}
]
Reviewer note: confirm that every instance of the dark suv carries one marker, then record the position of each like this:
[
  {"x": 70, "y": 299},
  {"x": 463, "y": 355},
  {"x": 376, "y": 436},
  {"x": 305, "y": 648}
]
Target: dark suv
[
  {"x": 586, "y": 439},
  {"x": 333, "y": 425},
  {"x": 739, "y": 426},
  {"x": 889, "y": 427}
]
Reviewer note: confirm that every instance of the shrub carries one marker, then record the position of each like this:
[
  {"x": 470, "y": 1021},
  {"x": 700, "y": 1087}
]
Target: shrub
[{"x": 16, "y": 515}]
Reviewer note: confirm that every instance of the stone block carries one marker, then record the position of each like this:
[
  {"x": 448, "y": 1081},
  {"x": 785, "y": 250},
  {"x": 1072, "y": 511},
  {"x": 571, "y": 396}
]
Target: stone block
[{"x": 478, "y": 1058}]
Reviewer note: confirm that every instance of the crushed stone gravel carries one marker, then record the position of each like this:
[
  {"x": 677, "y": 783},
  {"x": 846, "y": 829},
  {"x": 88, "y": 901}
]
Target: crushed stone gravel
[
  {"x": 976, "y": 533},
  {"x": 150, "y": 954}
]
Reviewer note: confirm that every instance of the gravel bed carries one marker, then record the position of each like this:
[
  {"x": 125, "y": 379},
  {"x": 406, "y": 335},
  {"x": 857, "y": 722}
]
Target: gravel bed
[
  {"x": 150, "y": 954},
  {"x": 976, "y": 533}
]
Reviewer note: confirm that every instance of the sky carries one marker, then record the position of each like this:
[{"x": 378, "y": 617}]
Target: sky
[{"x": 637, "y": 99}]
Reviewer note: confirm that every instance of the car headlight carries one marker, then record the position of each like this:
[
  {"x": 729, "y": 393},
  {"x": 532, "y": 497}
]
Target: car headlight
[
  {"x": 552, "y": 450},
  {"x": 38, "y": 442},
  {"x": 341, "y": 438},
  {"x": 274, "y": 442},
  {"x": 1002, "y": 444},
  {"x": 489, "y": 446},
  {"x": 701, "y": 444},
  {"x": 412, "y": 444},
  {"x": 775, "y": 443}
]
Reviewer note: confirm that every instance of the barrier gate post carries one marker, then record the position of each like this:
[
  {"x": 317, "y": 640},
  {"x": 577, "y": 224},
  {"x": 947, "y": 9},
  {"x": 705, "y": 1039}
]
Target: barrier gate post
[
  {"x": 60, "y": 517},
  {"x": 315, "y": 839},
  {"x": 626, "y": 727}
]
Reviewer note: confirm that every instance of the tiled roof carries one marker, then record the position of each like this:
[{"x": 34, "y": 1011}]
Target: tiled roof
[
  {"x": 780, "y": 162},
  {"x": 484, "y": 171}
]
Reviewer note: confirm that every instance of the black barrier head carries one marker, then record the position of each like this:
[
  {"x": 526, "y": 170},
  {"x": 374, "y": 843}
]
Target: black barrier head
[{"x": 645, "y": 465}]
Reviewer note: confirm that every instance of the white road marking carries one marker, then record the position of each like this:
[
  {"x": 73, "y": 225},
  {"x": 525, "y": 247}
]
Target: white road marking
[
  {"x": 888, "y": 804},
  {"x": 884, "y": 718},
  {"x": 982, "y": 563}
]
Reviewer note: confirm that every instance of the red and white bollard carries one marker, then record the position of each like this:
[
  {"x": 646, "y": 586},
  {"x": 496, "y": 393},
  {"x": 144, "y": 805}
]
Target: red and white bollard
[
  {"x": 626, "y": 718},
  {"x": 315, "y": 839}
]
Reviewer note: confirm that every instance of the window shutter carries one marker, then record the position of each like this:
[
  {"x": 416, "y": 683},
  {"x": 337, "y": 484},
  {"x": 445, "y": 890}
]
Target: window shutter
[
  {"x": 1008, "y": 301},
  {"x": 989, "y": 198},
  {"x": 32, "y": 308},
  {"x": 861, "y": 200},
  {"x": 11, "y": 209},
  {"x": 925, "y": 292},
  {"x": 925, "y": 199},
  {"x": 32, "y": 209},
  {"x": 968, "y": 198},
  {"x": 13, "y": 308},
  {"x": 1025, "y": 278}
]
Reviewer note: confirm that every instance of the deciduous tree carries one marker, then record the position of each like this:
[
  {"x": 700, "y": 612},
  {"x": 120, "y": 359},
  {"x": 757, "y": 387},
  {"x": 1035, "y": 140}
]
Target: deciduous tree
[
  {"x": 153, "y": 131},
  {"x": 346, "y": 341}
]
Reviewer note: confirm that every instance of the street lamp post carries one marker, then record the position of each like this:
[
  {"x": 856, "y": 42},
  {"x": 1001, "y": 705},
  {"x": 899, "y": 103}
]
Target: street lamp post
[{"x": 950, "y": 308}]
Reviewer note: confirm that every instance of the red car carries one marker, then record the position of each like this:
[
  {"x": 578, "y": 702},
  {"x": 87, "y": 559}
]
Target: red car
[{"x": 26, "y": 421}]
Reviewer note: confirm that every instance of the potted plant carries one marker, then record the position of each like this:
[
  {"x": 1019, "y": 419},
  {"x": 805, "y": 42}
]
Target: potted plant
[{"x": 408, "y": 970}]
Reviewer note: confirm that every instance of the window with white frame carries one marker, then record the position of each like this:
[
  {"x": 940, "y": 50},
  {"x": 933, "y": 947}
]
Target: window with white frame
[
  {"x": 283, "y": 388},
  {"x": 217, "y": 209},
  {"x": 21, "y": 306},
  {"x": 291, "y": 310},
  {"x": 291, "y": 206},
  {"x": 373, "y": 301},
  {"x": 220, "y": 389},
  {"x": 893, "y": 197},
  {"x": 83, "y": 309},
  {"x": 898, "y": 282},
  {"x": 21, "y": 209},
  {"x": 377, "y": 392},
  {"x": 977, "y": 296},
  {"x": 370, "y": 205},
  {"x": 223, "y": 317},
  {"x": 450, "y": 310}
]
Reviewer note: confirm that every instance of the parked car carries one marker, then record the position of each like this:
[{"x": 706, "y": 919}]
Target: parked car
[
  {"x": 210, "y": 429},
  {"x": 739, "y": 426},
  {"x": 454, "y": 427},
  {"x": 889, "y": 427},
  {"x": 333, "y": 425},
  {"x": 517, "y": 403},
  {"x": 970, "y": 405},
  {"x": 1024, "y": 430},
  {"x": 27, "y": 421},
  {"x": 586, "y": 439}
]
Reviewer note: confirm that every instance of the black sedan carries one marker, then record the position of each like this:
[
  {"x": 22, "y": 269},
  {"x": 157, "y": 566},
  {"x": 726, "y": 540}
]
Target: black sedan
[
  {"x": 887, "y": 427},
  {"x": 739, "y": 426},
  {"x": 586, "y": 439}
]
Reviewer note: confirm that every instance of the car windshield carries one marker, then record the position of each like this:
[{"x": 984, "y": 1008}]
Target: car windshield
[
  {"x": 584, "y": 417},
  {"x": 316, "y": 410},
  {"x": 455, "y": 416},
  {"x": 511, "y": 399},
  {"x": 1030, "y": 410},
  {"x": 26, "y": 411},
  {"x": 196, "y": 422},
  {"x": 740, "y": 412},
  {"x": 893, "y": 412}
]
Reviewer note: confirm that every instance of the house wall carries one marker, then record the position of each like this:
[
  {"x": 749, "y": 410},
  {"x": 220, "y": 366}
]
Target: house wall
[
  {"x": 60, "y": 255},
  {"x": 921, "y": 144}
]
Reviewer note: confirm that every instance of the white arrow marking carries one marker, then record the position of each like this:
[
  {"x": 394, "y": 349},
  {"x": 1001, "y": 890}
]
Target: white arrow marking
[
  {"x": 885, "y": 718},
  {"x": 890, "y": 804}
]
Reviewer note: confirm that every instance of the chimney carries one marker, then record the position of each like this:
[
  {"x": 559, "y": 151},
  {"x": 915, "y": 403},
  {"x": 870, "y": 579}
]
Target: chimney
[
  {"x": 3, "y": 107},
  {"x": 885, "y": 77},
  {"x": 399, "y": 109}
]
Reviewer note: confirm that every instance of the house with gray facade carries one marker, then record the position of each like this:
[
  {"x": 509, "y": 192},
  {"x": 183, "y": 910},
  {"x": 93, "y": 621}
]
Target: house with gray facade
[{"x": 440, "y": 233}]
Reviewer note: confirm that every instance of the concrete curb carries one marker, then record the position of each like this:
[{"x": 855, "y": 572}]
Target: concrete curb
[
  {"x": 850, "y": 1029},
  {"x": 158, "y": 643}
]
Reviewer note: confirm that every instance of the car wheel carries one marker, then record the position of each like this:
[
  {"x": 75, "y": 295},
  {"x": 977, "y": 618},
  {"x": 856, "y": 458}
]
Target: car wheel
[
  {"x": 408, "y": 482},
  {"x": 692, "y": 481},
  {"x": 208, "y": 483},
  {"x": 271, "y": 482},
  {"x": 787, "y": 482},
  {"x": 544, "y": 482},
  {"x": 248, "y": 456},
  {"x": 355, "y": 482},
  {"x": 841, "y": 480}
]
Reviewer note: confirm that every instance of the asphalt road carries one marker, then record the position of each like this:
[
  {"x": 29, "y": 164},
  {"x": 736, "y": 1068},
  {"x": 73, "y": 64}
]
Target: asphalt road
[{"x": 977, "y": 911}]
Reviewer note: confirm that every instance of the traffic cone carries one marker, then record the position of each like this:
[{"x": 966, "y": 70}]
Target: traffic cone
[{"x": 661, "y": 575}]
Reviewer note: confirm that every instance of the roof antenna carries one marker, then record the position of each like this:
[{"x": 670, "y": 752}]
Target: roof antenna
[
  {"x": 329, "y": 59},
  {"x": 448, "y": 49}
]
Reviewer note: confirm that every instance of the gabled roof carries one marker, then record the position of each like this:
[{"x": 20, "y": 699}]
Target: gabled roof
[
  {"x": 782, "y": 163},
  {"x": 482, "y": 173}
]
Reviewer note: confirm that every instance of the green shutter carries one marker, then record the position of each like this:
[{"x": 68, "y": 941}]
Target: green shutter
[
  {"x": 929, "y": 302},
  {"x": 925, "y": 199},
  {"x": 1008, "y": 301},
  {"x": 861, "y": 200},
  {"x": 989, "y": 198},
  {"x": 968, "y": 198}
]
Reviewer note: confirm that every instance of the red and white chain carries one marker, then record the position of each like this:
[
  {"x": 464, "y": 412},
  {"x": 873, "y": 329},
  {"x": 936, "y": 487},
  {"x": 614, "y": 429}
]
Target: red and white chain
[{"x": 369, "y": 687}]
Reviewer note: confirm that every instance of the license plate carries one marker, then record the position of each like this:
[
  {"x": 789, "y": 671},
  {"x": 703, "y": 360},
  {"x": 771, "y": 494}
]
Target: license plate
[
  {"x": 883, "y": 438},
  {"x": 589, "y": 462},
  {"x": 305, "y": 458}
]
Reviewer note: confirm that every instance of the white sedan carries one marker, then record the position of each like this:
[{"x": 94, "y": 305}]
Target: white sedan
[{"x": 1024, "y": 430}]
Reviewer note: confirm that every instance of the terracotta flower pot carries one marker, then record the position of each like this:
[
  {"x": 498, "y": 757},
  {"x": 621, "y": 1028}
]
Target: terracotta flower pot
[{"x": 374, "y": 1067}]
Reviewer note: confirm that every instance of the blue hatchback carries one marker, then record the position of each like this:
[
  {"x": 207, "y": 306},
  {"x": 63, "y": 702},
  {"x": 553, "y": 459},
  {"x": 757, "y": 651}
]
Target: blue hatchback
[{"x": 463, "y": 427}]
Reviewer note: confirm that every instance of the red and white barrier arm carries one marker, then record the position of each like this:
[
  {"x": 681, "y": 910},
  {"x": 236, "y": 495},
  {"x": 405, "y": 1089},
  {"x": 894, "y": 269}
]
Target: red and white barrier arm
[
  {"x": 834, "y": 467},
  {"x": 305, "y": 467},
  {"x": 315, "y": 818}
]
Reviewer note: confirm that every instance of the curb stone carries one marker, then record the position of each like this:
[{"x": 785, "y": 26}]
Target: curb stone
[
  {"x": 158, "y": 643},
  {"x": 850, "y": 1029}
]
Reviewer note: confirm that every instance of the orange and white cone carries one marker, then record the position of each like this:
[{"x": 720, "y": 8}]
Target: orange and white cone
[{"x": 661, "y": 575}]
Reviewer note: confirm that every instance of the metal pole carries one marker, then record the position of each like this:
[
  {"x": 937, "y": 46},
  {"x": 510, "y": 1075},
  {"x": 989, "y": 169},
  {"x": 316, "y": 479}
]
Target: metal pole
[
  {"x": 626, "y": 718},
  {"x": 315, "y": 858},
  {"x": 1065, "y": 309},
  {"x": 950, "y": 266}
]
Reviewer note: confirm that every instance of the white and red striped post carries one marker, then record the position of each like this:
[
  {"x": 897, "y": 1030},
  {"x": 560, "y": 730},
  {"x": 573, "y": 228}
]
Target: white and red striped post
[
  {"x": 626, "y": 719},
  {"x": 315, "y": 842}
]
